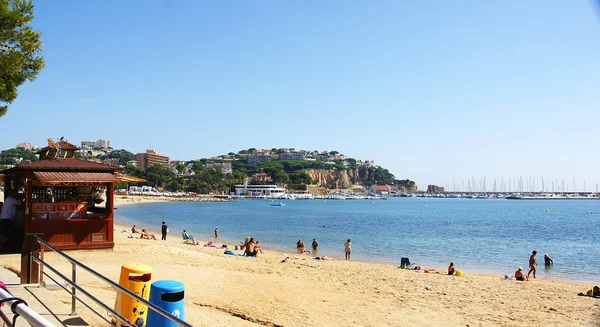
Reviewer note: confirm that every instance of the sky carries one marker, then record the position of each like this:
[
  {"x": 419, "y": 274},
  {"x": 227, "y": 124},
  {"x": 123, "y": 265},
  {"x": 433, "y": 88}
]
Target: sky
[{"x": 435, "y": 91}]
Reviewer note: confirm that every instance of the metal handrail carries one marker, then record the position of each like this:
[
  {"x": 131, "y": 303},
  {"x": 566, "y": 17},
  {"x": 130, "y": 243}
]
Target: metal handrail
[
  {"x": 32, "y": 317},
  {"x": 100, "y": 303},
  {"x": 80, "y": 300},
  {"x": 116, "y": 286}
]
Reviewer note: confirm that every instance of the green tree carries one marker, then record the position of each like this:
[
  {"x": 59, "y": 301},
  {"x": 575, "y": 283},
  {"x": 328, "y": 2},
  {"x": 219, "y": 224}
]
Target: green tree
[
  {"x": 123, "y": 155},
  {"x": 300, "y": 177},
  {"x": 20, "y": 49},
  {"x": 281, "y": 177},
  {"x": 11, "y": 156},
  {"x": 180, "y": 168}
]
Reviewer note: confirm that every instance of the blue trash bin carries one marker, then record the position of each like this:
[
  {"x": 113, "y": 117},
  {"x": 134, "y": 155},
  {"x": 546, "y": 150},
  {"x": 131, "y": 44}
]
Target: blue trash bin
[{"x": 169, "y": 296}]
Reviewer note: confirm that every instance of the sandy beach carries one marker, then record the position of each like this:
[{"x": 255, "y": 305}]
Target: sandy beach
[{"x": 224, "y": 290}]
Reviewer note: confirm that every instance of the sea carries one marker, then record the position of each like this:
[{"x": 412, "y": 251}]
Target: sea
[{"x": 490, "y": 236}]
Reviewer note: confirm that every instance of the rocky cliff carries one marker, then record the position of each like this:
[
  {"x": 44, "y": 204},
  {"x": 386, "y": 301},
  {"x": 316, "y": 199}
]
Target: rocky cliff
[
  {"x": 406, "y": 186},
  {"x": 332, "y": 178},
  {"x": 435, "y": 189}
]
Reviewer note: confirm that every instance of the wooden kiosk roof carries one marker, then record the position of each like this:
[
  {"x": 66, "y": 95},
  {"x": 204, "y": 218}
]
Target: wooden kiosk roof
[{"x": 62, "y": 164}]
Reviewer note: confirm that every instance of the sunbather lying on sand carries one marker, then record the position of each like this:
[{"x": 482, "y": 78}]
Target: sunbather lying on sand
[{"x": 147, "y": 236}]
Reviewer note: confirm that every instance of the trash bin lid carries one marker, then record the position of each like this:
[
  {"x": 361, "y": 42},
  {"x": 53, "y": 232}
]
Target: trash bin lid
[
  {"x": 137, "y": 268},
  {"x": 168, "y": 286}
]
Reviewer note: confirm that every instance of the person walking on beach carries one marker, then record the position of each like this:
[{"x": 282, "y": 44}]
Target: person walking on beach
[
  {"x": 548, "y": 261},
  {"x": 532, "y": 264},
  {"x": 348, "y": 248},
  {"x": 216, "y": 232},
  {"x": 164, "y": 230}
]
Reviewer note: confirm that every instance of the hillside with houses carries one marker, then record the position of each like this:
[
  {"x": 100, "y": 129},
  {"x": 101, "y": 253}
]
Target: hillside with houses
[{"x": 301, "y": 171}]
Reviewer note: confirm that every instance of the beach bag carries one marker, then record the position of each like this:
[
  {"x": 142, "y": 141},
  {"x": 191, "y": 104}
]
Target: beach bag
[
  {"x": 596, "y": 291},
  {"x": 229, "y": 252},
  {"x": 459, "y": 273}
]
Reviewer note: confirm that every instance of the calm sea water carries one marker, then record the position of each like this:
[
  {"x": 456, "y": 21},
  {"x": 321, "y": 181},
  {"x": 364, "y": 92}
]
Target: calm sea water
[{"x": 483, "y": 236}]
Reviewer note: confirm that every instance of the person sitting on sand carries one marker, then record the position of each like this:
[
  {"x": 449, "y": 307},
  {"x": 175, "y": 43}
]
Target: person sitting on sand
[
  {"x": 451, "y": 269},
  {"x": 145, "y": 235},
  {"x": 134, "y": 229},
  {"x": 189, "y": 237},
  {"x": 243, "y": 246},
  {"x": 251, "y": 248},
  {"x": 258, "y": 248},
  {"x": 519, "y": 275}
]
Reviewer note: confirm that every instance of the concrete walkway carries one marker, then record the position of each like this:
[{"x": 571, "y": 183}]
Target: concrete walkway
[{"x": 41, "y": 300}]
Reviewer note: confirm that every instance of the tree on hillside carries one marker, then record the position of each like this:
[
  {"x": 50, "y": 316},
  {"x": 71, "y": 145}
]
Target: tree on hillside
[
  {"x": 180, "y": 168},
  {"x": 123, "y": 155},
  {"x": 11, "y": 156},
  {"x": 20, "y": 49}
]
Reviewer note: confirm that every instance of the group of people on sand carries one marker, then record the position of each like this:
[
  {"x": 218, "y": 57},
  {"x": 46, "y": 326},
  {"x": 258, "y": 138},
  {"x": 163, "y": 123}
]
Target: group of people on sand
[
  {"x": 144, "y": 234},
  {"x": 301, "y": 247},
  {"x": 519, "y": 274},
  {"x": 251, "y": 247},
  {"x": 548, "y": 262}
]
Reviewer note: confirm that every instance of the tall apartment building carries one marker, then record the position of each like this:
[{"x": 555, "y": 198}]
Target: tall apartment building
[
  {"x": 151, "y": 158},
  {"x": 255, "y": 159},
  {"x": 292, "y": 156}
]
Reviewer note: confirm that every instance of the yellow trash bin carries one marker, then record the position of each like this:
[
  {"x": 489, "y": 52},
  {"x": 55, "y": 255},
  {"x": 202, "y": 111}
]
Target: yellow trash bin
[{"x": 136, "y": 278}]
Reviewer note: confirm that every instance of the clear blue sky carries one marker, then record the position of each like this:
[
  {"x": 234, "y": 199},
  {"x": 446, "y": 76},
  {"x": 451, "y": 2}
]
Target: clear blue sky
[{"x": 435, "y": 91}]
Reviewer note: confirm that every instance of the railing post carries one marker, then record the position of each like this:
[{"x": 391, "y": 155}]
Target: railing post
[
  {"x": 118, "y": 307},
  {"x": 74, "y": 290},
  {"x": 42, "y": 265},
  {"x": 30, "y": 271}
]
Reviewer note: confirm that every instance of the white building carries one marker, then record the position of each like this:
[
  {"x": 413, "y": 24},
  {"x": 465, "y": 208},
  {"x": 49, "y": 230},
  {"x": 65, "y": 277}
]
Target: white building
[
  {"x": 269, "y": 191},
  {"x": 101, "y": 143},
  {"x": 27, "y": 146},
  {"x": 225, "y": 167}
]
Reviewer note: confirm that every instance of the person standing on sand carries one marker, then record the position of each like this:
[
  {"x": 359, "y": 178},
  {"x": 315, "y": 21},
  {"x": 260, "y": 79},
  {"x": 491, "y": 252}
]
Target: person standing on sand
[
  {"x": 216, "y": 232},
  {"x": 164, "y": 230},
  {"x": 348, "y": 248},
  {"x": 532, "y": 264}
]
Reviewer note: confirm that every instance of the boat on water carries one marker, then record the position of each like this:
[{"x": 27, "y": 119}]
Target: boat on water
[{"x": 278, "y": 204}]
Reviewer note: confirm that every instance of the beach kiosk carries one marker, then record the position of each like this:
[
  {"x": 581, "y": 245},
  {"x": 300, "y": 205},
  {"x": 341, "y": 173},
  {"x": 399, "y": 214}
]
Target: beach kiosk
[{"x": 66, "y": 201}]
